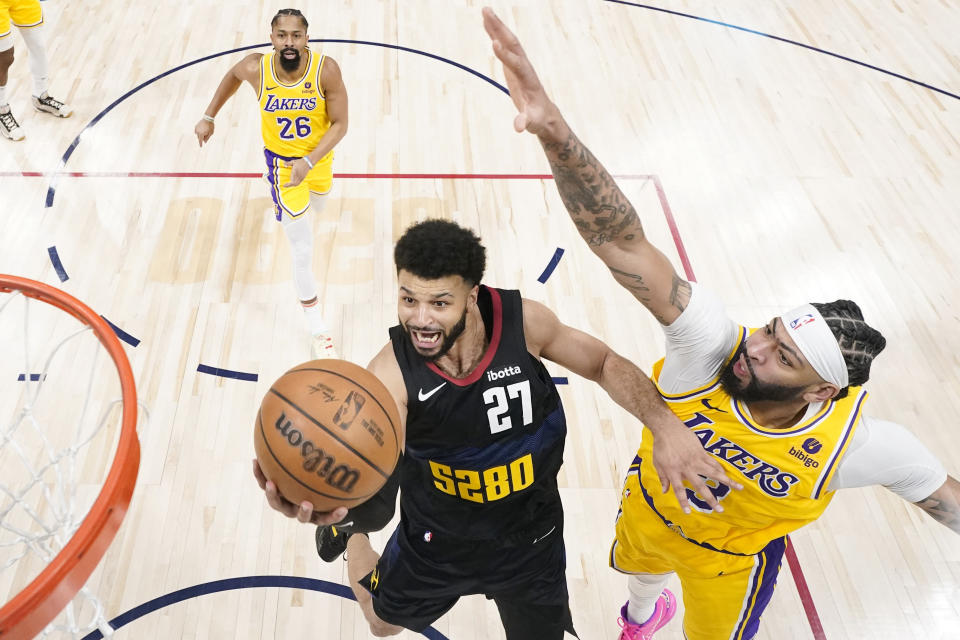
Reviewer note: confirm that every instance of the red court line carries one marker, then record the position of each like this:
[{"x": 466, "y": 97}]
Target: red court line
[
  {"x": 796, "y": 570},
  {"x": 212, "y": 174}
]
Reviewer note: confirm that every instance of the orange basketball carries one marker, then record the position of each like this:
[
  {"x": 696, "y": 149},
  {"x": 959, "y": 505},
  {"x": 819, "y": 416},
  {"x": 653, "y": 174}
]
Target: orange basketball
[{"x": 327, "y": 432}]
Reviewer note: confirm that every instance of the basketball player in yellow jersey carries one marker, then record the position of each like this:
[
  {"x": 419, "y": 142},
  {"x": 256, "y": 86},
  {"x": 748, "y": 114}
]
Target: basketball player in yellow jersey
[
  {"x": 303, "y": 115},
  {"x": 27, "y": 17},
  {"x": 780, "y": 408}
]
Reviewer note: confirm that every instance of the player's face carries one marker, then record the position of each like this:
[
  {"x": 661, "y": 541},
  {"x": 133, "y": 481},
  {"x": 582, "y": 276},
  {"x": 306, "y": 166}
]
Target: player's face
[
  {"x": 433, "y": 313},
  {"x": 289, "y": 38},
  {"x": 769, "y": 367}
]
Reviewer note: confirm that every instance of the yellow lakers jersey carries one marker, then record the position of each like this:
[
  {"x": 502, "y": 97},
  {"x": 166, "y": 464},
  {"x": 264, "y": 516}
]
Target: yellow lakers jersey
[
  {"x": 784, "y": 472},
  {"x": 293, "y": 117}
]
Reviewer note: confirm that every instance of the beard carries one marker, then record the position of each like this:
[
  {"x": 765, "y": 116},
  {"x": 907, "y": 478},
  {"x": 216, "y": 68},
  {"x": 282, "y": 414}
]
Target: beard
[
  {"x": 289, "y": 64},
  {"x": 449, "y": 338},
  {"x": 754, "y": 391}
]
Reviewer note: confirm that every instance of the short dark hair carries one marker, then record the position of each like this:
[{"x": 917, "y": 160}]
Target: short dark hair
[
  {"x": 859, "y": 342},
  {"x": 436, "y": 248},
  {"x": 290, "y": 12}
]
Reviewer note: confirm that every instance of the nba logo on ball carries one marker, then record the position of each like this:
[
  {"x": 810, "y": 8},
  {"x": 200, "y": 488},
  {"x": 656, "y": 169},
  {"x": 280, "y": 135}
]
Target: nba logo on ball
[
  {"x": 327, "y": 433},
  {"x": 811, "y": 445}
]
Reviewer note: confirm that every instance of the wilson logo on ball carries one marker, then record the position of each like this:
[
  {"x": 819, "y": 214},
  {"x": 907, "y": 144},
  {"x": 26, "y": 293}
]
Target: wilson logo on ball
[{"x": 316, "y": 460}]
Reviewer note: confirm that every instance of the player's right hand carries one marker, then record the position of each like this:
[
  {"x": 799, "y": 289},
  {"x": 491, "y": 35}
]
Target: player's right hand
[
  {"x": 204, "y": 130},
  {"x": 303, "y": 512}
]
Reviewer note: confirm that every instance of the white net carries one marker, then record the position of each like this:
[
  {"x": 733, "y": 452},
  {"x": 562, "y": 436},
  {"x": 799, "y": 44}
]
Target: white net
[{"x": 60, "y": 415}]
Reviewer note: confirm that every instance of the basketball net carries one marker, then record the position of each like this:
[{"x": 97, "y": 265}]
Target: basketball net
[{"x": 69, "y": 455}]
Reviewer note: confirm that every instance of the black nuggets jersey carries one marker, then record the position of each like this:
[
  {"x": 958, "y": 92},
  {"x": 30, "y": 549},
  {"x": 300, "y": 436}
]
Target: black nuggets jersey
[{"x": 482, "y": 452}]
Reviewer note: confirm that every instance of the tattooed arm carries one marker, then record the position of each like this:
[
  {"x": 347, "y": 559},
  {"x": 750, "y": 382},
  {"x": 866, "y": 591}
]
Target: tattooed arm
[
  {"x": 943, "y": 505},
  {"x": 602, "y": 214}
]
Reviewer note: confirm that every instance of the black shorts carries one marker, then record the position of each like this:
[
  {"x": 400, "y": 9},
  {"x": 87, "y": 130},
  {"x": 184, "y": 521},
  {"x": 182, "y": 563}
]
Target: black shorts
[{"x": 420, "y": 576}]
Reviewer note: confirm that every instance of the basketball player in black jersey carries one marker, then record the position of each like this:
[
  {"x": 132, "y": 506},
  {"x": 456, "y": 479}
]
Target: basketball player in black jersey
[{"x": 485, "y": 430}]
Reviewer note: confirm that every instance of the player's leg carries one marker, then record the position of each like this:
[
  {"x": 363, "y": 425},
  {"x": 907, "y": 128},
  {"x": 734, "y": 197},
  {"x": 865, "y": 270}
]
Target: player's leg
[
  {"x": 9, "y": 127},
  {"x": 293, "y": 209},
  {"x": 642, "y": 550},
  {"x": 403, "y": 588},
  {"x": 362, "y": 564},
  {"x": 299, "y": 232},
  {"x": 522, "y": 621},
  {"x": 729, "y": 604},
  {"x": 28, "y": 18},
  {"x": 372, "y": 515}
]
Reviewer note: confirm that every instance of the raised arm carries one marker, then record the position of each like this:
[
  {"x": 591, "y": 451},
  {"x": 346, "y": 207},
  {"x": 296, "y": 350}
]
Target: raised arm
[
  {"x": 678, "y": 455},
  {"x": 943, "y": 505},
  {"x": 602, "y": 214},
  {"x": 248, "y": 70}
]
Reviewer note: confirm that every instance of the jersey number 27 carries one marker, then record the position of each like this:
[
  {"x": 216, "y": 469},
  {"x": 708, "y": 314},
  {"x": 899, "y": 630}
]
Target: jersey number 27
[{"x": 500, "y": 398}]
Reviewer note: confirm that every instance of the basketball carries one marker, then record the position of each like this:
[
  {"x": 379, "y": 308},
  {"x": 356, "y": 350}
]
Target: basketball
[{"x": 327, "y": 432}]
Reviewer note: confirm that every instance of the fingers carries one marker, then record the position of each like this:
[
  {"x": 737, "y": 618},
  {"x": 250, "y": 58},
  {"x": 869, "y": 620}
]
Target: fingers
[
  {"x": 702, "y": 490},
  {"x": 717, "y": 473},
  {"x": 258, "y": 474},
  {"x": 331, "y": 517},
  {"x": 681, "y": 492}
]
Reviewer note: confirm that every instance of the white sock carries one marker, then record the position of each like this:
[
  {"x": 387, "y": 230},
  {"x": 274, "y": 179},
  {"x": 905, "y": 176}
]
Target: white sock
[
  {"x": 299, "y": 232},
  {"x": 645, "y": 590},
  {"x": 3, "y": 96},
  {"x": 33, "y": 37},
  {"x": 315, "y": 321}
]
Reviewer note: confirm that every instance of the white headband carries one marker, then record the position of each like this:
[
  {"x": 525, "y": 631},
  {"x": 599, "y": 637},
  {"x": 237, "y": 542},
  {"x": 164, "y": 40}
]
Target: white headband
[{"x": 817, "y": 344}]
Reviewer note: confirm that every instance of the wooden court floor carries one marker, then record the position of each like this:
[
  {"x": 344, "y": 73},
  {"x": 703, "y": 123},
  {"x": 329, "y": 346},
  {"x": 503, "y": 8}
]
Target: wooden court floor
[{"x": 791, "y": 175}]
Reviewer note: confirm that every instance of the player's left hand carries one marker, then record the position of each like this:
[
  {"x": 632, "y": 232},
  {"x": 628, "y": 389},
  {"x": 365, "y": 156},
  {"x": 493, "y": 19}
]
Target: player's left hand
[
  {"x": 536, "y": 111},
  {"x": 298, "y": 171},
  {"x": 303, "y": 512},
  {"x": 678, "y": 456}
]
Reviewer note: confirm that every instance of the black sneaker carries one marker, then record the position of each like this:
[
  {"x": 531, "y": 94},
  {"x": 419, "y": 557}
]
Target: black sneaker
[{"x": 331, "y": 542}]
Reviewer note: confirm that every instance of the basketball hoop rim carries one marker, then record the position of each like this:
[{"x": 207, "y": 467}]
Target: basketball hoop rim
[{"x": 25, "y": 615}]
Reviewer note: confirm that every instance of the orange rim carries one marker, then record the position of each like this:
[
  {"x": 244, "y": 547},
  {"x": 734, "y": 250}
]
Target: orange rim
[{"x": 35, "y": 606}]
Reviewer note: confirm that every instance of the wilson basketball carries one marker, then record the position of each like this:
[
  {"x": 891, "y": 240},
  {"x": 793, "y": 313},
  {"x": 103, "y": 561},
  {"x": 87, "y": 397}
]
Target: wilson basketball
[{"x": 327, "y": 432}]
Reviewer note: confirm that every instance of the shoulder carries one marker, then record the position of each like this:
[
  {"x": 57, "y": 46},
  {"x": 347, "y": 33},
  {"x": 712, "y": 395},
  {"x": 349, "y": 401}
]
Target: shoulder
[
  {"x": 540, "y": 324},
  {"x": 385, "y": 366},
  {"x": 249, "y": 67},
  {"x": 330, "y": 73}
]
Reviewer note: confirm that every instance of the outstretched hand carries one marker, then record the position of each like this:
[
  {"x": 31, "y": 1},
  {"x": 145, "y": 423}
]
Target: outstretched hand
[
  {"x": 678, "y": 456},
  {"x": 536, "y": 109},
  {"x": 303, "y": 512}
]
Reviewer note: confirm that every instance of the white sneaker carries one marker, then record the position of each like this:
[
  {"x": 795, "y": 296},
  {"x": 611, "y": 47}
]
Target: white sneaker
[
  {"x": 321, "y": 347},
  {"x": 47, "y": 104},
  {"x": 9, "y": 127}
]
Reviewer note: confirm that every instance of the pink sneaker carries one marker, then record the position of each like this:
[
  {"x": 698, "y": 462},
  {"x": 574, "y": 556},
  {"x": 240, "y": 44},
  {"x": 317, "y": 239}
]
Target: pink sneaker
[{"x": 662, "y": 614}]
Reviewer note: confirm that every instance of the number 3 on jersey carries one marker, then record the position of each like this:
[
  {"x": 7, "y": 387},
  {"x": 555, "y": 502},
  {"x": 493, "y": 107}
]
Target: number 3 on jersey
[
  {"x": 300, "y": 126},
  {"x": 499, "y": 397}
]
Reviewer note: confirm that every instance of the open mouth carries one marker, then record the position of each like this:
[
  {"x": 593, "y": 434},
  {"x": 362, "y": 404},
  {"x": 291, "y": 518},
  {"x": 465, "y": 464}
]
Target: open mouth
[
  {"x": 289, "y": 54},
  {"x": 426, "y": 339}
]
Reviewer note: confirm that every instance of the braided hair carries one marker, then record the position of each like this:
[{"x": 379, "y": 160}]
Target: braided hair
[
  {"x": 859, "y": 342},
  {"x": 290, "y": 12}
]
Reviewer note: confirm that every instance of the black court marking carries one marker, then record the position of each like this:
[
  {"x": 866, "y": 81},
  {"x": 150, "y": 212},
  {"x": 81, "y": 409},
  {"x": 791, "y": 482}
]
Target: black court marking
[
  {"x": 227, "y": 373},
  {"x": 554, "y": 261},
  {"x": 123, "y": 335},
  {"x": 229, "y": 584},
  {"x": 788, "y": 41},
  {"x": 333, "y": 435},
  {"x": 350, "y": 498}
]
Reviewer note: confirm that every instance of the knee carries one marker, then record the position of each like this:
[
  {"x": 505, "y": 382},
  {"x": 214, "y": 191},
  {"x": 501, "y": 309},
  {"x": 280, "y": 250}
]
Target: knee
[
  {"x": 381, "y": 629},
  {"x": 6, "y": 58}
]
